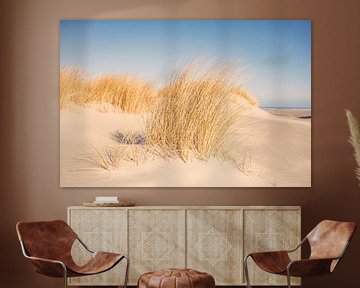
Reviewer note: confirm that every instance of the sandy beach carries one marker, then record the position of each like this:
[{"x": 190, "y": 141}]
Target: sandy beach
[
  {"x": 275, "y": 151},
  {"x": 291, "y": 113}
]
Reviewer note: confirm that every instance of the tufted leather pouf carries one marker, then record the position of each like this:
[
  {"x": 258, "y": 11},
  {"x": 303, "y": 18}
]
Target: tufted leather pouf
[{"x": 176, "y": 278}]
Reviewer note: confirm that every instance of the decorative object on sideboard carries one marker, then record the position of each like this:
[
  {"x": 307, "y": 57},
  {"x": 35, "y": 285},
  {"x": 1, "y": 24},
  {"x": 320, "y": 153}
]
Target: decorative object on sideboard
[
  {"x": 354, "y": 139},
  {"x": 109, "y": 204},
  {"x": 328, "y": 242},
  {"x": 48, "y": 245},
  {"x": 108, "y": 201}
]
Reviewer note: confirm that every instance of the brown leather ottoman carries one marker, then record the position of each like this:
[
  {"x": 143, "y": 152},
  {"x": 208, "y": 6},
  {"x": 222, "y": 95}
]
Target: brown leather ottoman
[{"x": 176, "y": 278}]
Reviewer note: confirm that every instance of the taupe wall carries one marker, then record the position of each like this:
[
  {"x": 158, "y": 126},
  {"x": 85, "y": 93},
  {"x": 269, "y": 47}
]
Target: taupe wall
[{"x": 29, "y": 122}]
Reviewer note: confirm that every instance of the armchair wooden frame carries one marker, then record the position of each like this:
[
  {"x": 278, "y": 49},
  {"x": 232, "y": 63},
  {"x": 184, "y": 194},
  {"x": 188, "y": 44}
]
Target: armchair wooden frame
[
  {"x": 59, "y": 268},
  {"x": 320, "y": 261}
]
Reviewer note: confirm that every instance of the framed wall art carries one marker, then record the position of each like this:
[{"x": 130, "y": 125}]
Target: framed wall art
[{"x": 185, "y": 103}]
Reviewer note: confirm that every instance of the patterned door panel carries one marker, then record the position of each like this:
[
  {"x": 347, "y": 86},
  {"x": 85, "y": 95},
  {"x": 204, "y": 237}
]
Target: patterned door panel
[
  {"x": 214, "y": 242},
  {"x": 156, "y": 240},
  {"x": 101, "y": 230},
  {"x": 270, "y": 230}
]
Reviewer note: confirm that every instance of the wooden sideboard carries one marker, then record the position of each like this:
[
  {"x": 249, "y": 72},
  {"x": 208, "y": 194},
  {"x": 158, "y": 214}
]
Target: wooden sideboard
[{"x": 212, "y": 239}]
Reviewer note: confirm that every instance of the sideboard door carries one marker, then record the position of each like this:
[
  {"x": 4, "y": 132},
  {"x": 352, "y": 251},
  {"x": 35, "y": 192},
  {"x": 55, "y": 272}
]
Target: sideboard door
[
  {"x": 214, "y": 244},
  {"x": 101, "y": 230},
  {"x": 271, "y": 230},
  {"x": 156, "y": 240}
]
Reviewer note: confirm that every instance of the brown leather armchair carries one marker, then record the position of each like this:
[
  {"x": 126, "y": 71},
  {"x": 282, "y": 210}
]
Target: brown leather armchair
[
  {"x": 328, "y": 242},
  {"x": 48, "y": 245}
]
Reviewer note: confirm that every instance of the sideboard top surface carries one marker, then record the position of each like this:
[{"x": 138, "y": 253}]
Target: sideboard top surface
[{"x": 193, "y": 207}]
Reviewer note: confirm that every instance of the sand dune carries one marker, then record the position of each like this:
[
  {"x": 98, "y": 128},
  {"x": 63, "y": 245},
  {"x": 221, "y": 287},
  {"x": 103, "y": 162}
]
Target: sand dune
[{"x": 274, "y": 151}]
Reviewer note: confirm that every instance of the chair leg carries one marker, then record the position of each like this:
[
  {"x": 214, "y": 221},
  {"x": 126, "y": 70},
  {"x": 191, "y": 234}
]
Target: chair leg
[
  {"x": 246, "y": 270},
  {"x": 288, "y": 278},
  {"x": 65, "y": 276},
  {"x": 127, "y": 271}
]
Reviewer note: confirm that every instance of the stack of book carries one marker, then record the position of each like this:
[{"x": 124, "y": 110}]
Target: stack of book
[{"x": 106, "y": 199}]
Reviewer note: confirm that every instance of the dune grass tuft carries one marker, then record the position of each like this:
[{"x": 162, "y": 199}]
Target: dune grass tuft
[
  {"x": 128, "y": 94},
  {"x": 245, "y": 94},
  {"x": 195, "y": 114},
  {"x": 110, "y": 158},
  {"x": 125, "y": 93},
  {"x": 72, "y": 87}
]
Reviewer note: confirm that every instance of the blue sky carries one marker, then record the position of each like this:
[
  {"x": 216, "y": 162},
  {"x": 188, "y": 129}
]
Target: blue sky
[{"x": 275, "y": 54}]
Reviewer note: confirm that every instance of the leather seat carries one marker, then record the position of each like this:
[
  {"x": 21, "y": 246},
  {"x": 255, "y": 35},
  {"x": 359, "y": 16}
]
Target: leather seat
[
  {"x": 48, "y": 245},
  {"x": 328, "y": 242}
]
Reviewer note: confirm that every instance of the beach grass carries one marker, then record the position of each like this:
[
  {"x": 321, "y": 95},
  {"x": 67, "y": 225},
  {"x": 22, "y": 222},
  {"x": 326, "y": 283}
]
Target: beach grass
[
  {"x": 190, "y": 117},
  {"x": 72, "y": 87},
  {"x": 125, "y": 93},
  {"x": 195, "y": 114},
  {"x": 246, "y": 95}
]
